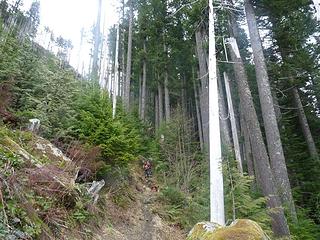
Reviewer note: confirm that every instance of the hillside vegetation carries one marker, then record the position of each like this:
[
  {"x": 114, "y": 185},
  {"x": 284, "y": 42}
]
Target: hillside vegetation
[{"x": 92, "y": 136}]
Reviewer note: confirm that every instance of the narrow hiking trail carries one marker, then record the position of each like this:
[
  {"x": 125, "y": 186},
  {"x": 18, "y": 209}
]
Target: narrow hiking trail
[
  {"x": 139, "y": 221},
  {"x": 148, "y": 218}
]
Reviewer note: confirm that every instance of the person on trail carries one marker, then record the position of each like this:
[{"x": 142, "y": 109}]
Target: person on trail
[{"x": 147, "y": 169}]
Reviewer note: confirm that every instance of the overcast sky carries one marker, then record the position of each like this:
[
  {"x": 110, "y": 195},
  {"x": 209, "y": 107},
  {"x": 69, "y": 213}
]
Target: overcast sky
[{"x": 68, "y": 17}]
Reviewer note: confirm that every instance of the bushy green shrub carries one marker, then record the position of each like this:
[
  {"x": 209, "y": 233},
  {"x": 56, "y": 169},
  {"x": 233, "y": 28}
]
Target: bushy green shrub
[
  {"x": 119, "y": 140},
  {"x": 305, "y": 228},
  {"x": 173, "y": 196},
  {"x": 242, "y": 201}
]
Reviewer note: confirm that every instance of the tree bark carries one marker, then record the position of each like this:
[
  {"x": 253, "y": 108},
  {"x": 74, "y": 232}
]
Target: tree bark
[
  {"x": 203, "y": 91},
  {"x": 144, "y": 83},
  {"x": 123, "y": 51},
  {"x": 261, "y": 160},
  {"x": 224, "y": 118},
  {"x": 156, "y": 111},
  {"x": 166, "y": 96},
  {"x": 235, "y": 137},
  {"x": 277, "y": 108},
  {"x": 247, "y": 146},
  {"x": 276, "y": 154},
  {"x": 196, "y": 96},
  {"x": 160, "y": 96},
  {"x": 184, "y": 105},
  {"x": 216, "y": 176},
  {"x": 140, "y": 93},
  {"x": 116, "y": 75},
  {"x": 126, "y": 97},
  {"x": 304, "y": 124}
]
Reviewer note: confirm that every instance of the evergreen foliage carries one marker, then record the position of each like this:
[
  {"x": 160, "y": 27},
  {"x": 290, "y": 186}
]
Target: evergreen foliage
[{"x": 75, "y": 112}]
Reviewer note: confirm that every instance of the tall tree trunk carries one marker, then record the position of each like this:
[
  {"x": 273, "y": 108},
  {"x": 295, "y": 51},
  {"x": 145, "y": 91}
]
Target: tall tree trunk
[
  {"x": 296, "y": 98},
  {"x": 276, "y": 154},
  {"x": 261, "y": 160},
  {"x": 123, "y": 79},
  {"x": 140, "y": 93},
  {"x": 233, "y": 124},
  {"x": 196, "y": 96},
  {"x": 160, "y": 96},
  {"x": 109, "y": 77},
  {"x": 166, "y": 91},
  {"x": 184, "y": 105},
  {"x": 277, "y": 108},
  {"x": 166, "y": 96},
  {"x": 203, "y": 93},
  {"x": 116, "y": 75},
  {"x": 216, "y": 177},
  {"x": 247, "y": 146},
  {"x": 224, "y": 118},
  {"x": 144, "y": 83},
  {"x": 304, "y": 124},
  {"x": 156, "y": 112},
  {"x": 97, "y": 42},
  {"x": 126, "y": 96}
]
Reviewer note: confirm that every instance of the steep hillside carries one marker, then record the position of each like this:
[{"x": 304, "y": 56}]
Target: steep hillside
[{"x": 42, "y": 197}]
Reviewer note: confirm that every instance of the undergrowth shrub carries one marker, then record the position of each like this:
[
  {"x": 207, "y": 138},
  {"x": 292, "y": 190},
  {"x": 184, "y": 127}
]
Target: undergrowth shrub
[
  {"x": 181, "y": 168},
  {"x": 185, "y": 174},
  {"x": 241, "y": 200},
  {"x": 305, "y": 228},
  {"x": 88, "y": 161},
  {"x": 118, "y": 139},
  {"x": 180, "y": 209}
]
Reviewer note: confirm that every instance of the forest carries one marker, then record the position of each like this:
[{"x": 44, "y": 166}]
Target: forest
[{"x": 222, "y": 97}]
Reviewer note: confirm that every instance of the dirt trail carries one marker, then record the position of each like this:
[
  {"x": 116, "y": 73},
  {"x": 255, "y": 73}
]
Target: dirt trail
[
  {"x": 138, "y": 221},
  {"x": 148, "y": 218}
]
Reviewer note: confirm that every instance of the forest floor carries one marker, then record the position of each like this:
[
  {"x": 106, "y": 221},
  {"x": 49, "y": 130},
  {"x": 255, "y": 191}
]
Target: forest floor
[{"x": 139, "y": 220}]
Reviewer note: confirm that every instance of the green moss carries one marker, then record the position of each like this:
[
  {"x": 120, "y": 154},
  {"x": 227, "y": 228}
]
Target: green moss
[
  {"x": 242, "y": 229},
  {"x": 203, "y": 230}
]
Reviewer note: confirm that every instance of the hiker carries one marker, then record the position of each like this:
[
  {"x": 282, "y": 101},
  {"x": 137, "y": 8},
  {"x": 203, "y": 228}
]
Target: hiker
[
  {"x": 154, "y": 188},
  {"x": 147, "y": 169}
]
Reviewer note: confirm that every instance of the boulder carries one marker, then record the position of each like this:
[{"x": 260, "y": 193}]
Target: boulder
[
  {"x": 34, "y": 125},
  {"x": 241, "y": 229},
  {"x": 44, "y": 148}
]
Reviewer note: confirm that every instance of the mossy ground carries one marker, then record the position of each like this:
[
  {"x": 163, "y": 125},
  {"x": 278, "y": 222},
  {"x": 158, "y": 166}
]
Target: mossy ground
[{"x": 242, "y": 229}]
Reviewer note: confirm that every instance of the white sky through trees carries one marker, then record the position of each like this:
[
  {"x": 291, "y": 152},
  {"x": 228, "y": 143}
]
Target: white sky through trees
[{"x": 68, "y": 17}]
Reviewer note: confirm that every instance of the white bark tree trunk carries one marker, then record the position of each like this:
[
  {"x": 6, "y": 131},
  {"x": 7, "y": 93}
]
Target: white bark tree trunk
[
  {"x": 126, "y": 95},
  {"x": 235, "y": 138},
  {"x": 123, "y": 79},
  {"x": 166, "y": 91},
  {"x": 216, "y": 177},
  {"x": 97, "y": 42},
  {"x": 116, "y": 76},
  {"x": 196, "y": 96},
  {"x": 224, "y": 116}
]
